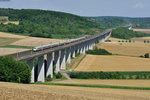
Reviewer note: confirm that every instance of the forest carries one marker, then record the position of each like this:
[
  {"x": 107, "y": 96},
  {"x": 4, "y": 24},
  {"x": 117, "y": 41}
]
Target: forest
[
  {"x": 115, "y": 21},
  {"x": 48, "y": 24},
  {"x": 124, "y": 33}
]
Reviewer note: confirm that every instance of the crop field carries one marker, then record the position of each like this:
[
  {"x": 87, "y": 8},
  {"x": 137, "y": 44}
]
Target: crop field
[
  {"x": 143, "y": 30},
  {"x": 12, "y": 22},
  {"x": 114, "y": 39},
  {"x": 129, "y": 49},
  {"x": 7, "y": 41},
  {"x": 113, "y": 63},
  {"x": 11, "y": 43},
  {"x": 131, "y": 83},
  {"x": 8, "y": 35},
  {"x": 141, "y": 39},
  {"x": 26, "y": 40},
  {"x": 6, "y": 51},
  {"x": 44, "y": 92},
  {"x": 34, "y": 41}
]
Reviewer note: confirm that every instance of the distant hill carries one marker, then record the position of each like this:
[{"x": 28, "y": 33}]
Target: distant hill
[
  {"x": 112, "y": 21},
  {"x": 49, "y": 24},
  {"x": 124, "y": 33}
]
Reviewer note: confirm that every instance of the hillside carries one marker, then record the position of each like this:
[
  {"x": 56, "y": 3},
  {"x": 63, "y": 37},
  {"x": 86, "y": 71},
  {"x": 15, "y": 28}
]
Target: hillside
[
  {"x": 109, "y": 22},
  {"x": 48, "y": 24},
  {"x": 114, "y": 21},
  {"x": 124, "y": 33}
]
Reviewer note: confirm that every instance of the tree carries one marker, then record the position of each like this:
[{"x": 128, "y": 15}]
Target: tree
[
  {"x": 146, "y": 55},
  {"x": 12, "y": 71}
]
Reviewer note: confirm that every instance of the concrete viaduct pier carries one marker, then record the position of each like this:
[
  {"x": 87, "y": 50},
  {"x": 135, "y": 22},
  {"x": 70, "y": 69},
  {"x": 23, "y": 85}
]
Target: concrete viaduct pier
[{"x": 58, "y": 57}]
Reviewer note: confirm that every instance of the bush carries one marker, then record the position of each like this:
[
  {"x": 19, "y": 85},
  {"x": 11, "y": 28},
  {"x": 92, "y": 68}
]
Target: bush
[
  {"x": 110, "y": 75},
  {"x": 97, "y": 51},
  {"x": 77, "y": 54},
  {"x": 146, "y": 55},
  {"x": 107, "y": 40},
  {"x": 58, "y": 75},
  {"x": 48, "y": 78},
  {"x": 12, "y": 71}
]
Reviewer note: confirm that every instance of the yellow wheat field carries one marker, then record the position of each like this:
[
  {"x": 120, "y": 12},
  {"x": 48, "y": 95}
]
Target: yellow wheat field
[
  {"x": 141, "y": 39},
  {"x": 8, "y": 35},
  {"x": 34, "y": 41},
  {"x": 12, "y": 39},
  {"x": 6, "y": 51},
  {"x": 13, "y": 91},
  {"x": 113, "y": 63},
  {"x": 129, "y": 49},
  {"x": 130, "y": 83}
]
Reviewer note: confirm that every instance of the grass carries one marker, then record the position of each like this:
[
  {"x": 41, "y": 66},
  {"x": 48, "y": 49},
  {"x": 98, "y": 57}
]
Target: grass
[
  {"x": 97, "y": 86},
  {"x": 80, "y": 61},
  {"x": 16, "y": 46},
  {"x": 75, "y": 62}
]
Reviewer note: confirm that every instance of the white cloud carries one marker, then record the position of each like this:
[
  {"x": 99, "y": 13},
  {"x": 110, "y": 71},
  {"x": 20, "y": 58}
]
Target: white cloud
[{"x": 139, "y": 5}]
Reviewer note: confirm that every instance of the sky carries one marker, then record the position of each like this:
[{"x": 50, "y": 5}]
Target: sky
[{"x": 125, "y": 8}]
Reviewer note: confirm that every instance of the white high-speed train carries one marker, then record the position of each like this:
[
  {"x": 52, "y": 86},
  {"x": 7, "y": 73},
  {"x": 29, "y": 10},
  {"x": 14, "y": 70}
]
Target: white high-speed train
[{"x": 48, "y": 46}]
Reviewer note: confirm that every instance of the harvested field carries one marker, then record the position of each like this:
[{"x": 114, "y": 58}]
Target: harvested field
[
  {"x": 113, "y": 63},
  {"x": 33, "y": 41},
  {"x": 130, "y": 83},
  {"x": 6, "y": 51},
  {"x": 129, "y": 49},
  {"x": 12, "y": 22},
  {"x": 7, "y": 41},
  {"x": 143, "y": 30},
  {"x": 141, "y": 39},
  {"x": 114, "y": 39},
  {"x": 46, "y": 92},
  {"x": 8, "y": 35}
]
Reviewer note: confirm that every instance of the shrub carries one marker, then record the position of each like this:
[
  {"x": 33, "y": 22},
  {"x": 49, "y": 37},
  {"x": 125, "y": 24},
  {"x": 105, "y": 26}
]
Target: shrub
[
  {"x": 97, "y": 51},
  {"x": 12, "y": 71},
  {"x": 110, "y": 75},
  {"x": 48, "y": 78},
  {"x": 77, "y": 54},
  {"x": 58, "y": 75},
  {"x": 107, "y": 40},
  {"x": 146, "y": 55}
]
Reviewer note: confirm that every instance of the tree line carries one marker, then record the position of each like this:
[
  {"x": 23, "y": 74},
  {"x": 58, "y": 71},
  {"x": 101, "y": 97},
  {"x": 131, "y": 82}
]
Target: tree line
[{"x": 110, "y": 75}]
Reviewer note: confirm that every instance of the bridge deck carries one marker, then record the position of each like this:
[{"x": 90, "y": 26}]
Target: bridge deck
[{"x": 26, "y": 55}]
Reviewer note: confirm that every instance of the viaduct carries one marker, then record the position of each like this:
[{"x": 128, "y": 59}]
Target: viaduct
[{"x": 57, "y": 57}]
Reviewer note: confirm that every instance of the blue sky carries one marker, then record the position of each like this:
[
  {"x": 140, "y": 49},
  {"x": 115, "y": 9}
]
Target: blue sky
[{"x": 130, "y": 8}]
